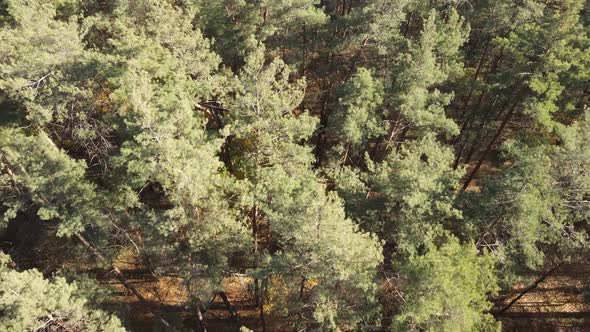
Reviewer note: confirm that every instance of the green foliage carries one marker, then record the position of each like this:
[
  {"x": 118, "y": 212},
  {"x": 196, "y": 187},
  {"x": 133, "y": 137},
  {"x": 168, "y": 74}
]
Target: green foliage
[
  {"x": 265, "y": 100},
  {"x": 35, "y": 171},
  {"x": 299, "y": 141},
  {"x": 29, "y": 302},
  {"x": 56, "y": 81},
  {"x": 417, "y": 185},
  {"x": 167, "y": 150},
  {"x": 420, "y": 62},
  {"x": 559, "y": 47},
  {"x": 316, "y": 240},
  {"x": 428, "y": 62},
  {"x": 236, "y": 26},
  {"x": 537, "y": 203},
  {"x": 571, "y": 172},
  {"x": 42, "y": 50},
  {"x": 447, "y": 289},
  {"x": 360, "y": 99}
]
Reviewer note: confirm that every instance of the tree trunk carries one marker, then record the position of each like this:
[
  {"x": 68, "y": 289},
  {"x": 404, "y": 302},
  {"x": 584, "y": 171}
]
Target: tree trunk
[
  {"x": 121, "y": 278},
  {"x": 262, "y": 317},
  {"x": 468, "y": 120},
  {"x": 304, "y": 50},
  {"x": 202, "y": 326},
  {"x": 530, "y": 287},
  {"x": 402, "y": 137},
  {"x": 474, "y": 79},
  {"x": 490, "y": 145},
  {"x": 232, "y": 311},
  {"x": 473, "y": 147},
  {"x": 254, "y": 220},
  {"x": 302, "y": 288},
  {"x": 319, "y": 149}
]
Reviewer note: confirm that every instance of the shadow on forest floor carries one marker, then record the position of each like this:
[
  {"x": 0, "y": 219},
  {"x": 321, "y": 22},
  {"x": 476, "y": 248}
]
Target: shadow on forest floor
[{"x": 556, "y": 304}]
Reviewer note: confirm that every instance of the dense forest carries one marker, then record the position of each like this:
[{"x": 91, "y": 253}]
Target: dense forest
[{"x": 370, "y": 165}]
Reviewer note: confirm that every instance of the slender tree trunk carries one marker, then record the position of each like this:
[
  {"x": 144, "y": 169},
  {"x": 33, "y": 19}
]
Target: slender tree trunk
[
  {"x": 302, "y": 288},
  {"x": 319, "y": 150},
  {"x": 262, "y": 317},
  {"x": 465, "y": 125},
  {"x": 232, "y": 311},
  {"x": 500, "y": 129},
  {"x": 493, "y": 67},
  {"x": 469, "y": 153},
  {"x": 458, "y": 156},
  {"x": 530, "y": 287},
  {"x": 402, "y": 137},
  {"x": 118, "y": 272},
  {"x": 121, "y": 278},
  {"x": 490, "y": 145},
  {"x": 202, "y": 326},
  {"x": 468, "y": 120},
  {"x": 474, "y": 79},
  {"x": 473, "y": 146},
  {"x": 304, "y": 50},
  {"x": 254, "y": 220},
  {"x": 408, "y": 23},
  {"x": 479, "y": 137}
]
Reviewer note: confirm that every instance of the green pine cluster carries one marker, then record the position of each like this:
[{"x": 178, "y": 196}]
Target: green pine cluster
[{"x": 363, "y": 164}]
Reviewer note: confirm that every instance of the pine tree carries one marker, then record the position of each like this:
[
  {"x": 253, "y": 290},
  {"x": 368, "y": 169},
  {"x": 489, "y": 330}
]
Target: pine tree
[
  {"x": 306, "y": 143},
  {"x": 536, "y": 206},
  {"x": 165, "y": 71},
  {"x": 236, "y": 26},
  {"x": 54, "y": 81},
  {"x": 360, "y": 121},
  {"x": 29, "y": 302},
  {"x": 416, "y": 186},
  {"x": 446, "y": 289},
  {"x": 309, "y": 241},
  {"x": 169, "y": 180},
  {"x": 542, "y": 55},
  {"x": 35, "y": 171}
]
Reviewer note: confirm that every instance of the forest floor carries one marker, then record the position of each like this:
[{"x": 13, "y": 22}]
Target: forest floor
[
  {"x": 167, "y": 296},
  {"x": 557, "y": 303}
]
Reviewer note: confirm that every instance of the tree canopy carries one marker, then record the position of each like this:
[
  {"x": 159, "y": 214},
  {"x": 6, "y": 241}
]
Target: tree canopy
[{"x": 331, "y": 154}]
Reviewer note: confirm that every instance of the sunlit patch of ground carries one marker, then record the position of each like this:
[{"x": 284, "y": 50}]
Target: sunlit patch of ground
[
  {"x": 556, "y": 304},
  {"x": 168, "y": 296}
]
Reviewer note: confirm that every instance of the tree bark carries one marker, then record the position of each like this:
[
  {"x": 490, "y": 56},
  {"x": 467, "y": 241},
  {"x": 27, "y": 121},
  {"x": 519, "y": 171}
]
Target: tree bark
[
  {"x": 473, "y": 147},
  {"x": 262, "y": 317},
  {"x": 232, "y": 311},
  {"x": 121, "y": 278},
  {"x": 468, "y": 120},
  {"x": 304, "y": 51},
  {"x": 530, "y": 287},
  {"x": 319, "y": 149},
  {"x": 490, "y": 145},
  {"x": 202, "y": 326},
  {"x": 254, "y": 220},
  {"x": 302, "y": 288},
  {"x": 474, "y": 79}
]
